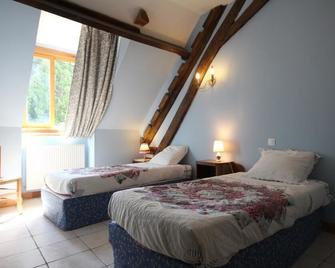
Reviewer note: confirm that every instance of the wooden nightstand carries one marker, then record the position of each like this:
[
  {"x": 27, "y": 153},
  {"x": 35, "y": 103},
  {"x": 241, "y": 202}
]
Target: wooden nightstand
[
  {"x": 141, "y": 160},
  {"x": 211, "y": 168}
]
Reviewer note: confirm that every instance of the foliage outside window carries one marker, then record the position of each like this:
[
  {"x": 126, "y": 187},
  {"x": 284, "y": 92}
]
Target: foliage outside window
[{"x": 49, "y": 88}]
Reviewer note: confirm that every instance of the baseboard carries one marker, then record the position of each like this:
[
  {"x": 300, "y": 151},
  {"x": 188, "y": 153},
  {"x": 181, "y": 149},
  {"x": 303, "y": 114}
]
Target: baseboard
[
  {"x": 328, "y": 227},
  {"x": 32, "y": 194}
]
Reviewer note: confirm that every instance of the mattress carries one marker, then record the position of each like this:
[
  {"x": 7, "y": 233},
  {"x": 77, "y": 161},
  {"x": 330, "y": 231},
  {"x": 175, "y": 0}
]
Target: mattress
[
  {"x": 81, "y": 182},
  {"x": 208, "y": 235}
]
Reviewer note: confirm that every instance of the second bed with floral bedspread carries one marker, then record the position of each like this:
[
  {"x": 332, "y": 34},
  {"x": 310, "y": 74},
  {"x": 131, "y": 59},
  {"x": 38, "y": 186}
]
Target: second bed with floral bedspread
[{"x": 208, "y": 221}]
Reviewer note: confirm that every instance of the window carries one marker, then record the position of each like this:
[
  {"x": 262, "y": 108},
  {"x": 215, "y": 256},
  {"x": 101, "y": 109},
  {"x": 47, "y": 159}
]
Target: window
[{"x": 49, "y": 88}]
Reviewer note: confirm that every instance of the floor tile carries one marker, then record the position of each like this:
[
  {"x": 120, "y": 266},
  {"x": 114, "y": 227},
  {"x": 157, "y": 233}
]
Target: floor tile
[
  {"x": 106, "y": 222},
  {"x": 331, "y": 259},
  {"x": 306, "y": 262},
  {"x": 326, "y": 265},
  {"x": 321, "y": 248},
  {"x": 16, "y": 246},
  {"x": 13, "y": 234},
  {"x": 40, "y": 225},
  {"x": 27, "y": 259},
  {"x": 95, "y": 239},
  {"x": 12, "y": 223},
  {"x": 84, "y": 259},
  {"x": 63, "y": 249},
  {"x": 327, "y": 238},
  {"x": 105, "y": 253},
  {"x": 91, "y": 229},
  {"x": 51, "y": 237}
]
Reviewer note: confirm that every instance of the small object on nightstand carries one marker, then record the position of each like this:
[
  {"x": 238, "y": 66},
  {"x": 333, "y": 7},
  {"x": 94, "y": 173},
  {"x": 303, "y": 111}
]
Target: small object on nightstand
[
  {"x": 211, "y": 168},
  {"x": 141, "y": 160}
]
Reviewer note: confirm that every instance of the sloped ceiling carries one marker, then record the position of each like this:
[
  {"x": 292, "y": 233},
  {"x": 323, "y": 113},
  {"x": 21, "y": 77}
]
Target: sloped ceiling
[
  {"x": 141, "y": 72},
  {"x": 170, "y": 20}
]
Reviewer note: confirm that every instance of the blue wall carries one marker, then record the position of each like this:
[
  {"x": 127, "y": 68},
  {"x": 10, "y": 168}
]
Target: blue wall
[{"x": 276, "y": 78}]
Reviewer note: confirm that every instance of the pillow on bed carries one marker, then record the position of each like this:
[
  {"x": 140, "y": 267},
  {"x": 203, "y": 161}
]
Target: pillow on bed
[
  {"x": 171, "y": 155},
  {"x": 285, "y": 166}
]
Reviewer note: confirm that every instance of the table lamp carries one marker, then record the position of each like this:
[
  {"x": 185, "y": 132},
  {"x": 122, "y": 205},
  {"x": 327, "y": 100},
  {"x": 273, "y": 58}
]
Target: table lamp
[
  {"x": 144, "y": 149},
  {"x": 218, "y": 148}
]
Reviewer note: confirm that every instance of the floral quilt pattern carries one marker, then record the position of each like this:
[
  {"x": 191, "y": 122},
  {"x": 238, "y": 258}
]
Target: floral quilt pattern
[
  {"x": 118, "y": 172},
  {"x": 247, "y": 203}
]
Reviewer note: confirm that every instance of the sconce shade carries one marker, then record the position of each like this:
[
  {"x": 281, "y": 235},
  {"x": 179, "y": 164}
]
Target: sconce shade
[
  {"x": 218, "y": 146},
  {"x": 212, "y": 71},
  {"x": 197, "y": 77},
  {"x": 144, "y": 148}
]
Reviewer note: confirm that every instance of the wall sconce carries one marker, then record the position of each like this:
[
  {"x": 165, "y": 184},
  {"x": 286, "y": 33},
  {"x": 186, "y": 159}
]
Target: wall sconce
[{"x": 211, "y": 81}]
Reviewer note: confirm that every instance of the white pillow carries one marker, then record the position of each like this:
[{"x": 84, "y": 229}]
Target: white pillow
[
  {"x": 171, "y": 155},
  {"x": 285, "y": 166}
]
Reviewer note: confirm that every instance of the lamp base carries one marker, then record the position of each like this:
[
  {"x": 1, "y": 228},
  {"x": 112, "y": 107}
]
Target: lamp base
[{"x": 218, "y": 157}]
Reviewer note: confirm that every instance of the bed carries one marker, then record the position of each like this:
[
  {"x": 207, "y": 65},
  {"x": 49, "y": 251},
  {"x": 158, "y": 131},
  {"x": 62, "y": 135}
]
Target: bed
[
  {"x": 233, "y": 220},
  {"x": 74, "y": 198}
]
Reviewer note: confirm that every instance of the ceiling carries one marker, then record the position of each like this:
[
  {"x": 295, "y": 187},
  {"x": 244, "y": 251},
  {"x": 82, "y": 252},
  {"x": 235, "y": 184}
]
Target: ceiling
[{"x": 170, "y": 20}]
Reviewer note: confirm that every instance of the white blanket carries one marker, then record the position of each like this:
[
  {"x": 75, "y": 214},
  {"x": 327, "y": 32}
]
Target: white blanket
[
  {"x": 71, "y": 183},
  {"x": 212, "y": 239}
]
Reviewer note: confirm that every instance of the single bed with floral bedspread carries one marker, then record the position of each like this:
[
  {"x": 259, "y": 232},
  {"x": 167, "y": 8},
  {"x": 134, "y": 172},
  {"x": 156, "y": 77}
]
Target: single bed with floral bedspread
[{"x": 205, "y": 222}]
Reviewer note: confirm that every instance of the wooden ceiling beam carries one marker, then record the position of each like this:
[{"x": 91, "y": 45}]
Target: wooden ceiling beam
[
  {"x": 183, "y": 73},
  {"x": 228, "y": 28},
  {"x": 100, "y": 21}
]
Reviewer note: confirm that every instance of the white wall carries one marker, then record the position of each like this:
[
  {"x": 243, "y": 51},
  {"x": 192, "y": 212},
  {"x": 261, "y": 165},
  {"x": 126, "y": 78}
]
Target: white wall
[
  {"x": 18, "y": 28},
  {"x": 10, "y": 142}
]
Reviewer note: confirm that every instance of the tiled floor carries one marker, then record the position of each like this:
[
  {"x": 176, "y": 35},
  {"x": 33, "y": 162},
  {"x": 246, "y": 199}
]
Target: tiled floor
[{"x": 30, "y": 240}]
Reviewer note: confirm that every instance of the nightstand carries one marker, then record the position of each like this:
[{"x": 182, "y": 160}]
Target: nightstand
[
  {"x": 141, "y": 160},
  {"x": 211, "y": 168}
]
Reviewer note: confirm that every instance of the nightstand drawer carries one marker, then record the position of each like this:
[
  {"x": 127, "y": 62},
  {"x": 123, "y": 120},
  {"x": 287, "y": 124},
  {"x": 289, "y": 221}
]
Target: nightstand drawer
[{"x": 211, "y": 168}]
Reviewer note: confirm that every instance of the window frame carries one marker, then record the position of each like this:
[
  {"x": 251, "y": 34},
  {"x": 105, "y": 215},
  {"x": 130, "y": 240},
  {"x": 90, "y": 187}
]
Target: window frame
[{"x": 52, "y": 55}]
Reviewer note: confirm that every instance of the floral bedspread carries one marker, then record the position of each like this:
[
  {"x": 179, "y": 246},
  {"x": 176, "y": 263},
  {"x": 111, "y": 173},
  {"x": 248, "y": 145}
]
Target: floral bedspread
[
  {"x": 245, "y": 202},
  {"x": 205, "y": 222},
  {"x": 118, "y": 172}
]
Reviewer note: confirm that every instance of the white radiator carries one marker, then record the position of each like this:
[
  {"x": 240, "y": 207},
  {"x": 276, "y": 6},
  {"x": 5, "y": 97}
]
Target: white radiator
[{"x": 42, "y": 159}]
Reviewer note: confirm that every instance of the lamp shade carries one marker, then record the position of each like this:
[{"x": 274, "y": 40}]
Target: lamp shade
[
  {"x": 144, "y": 148},
  {"x": 218, "y": 146}
]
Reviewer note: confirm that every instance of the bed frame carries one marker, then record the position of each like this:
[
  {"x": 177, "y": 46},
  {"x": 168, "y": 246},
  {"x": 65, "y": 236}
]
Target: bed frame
[
  {"x": 280, "y": 250},
  {"x": 70, "y": 213}
]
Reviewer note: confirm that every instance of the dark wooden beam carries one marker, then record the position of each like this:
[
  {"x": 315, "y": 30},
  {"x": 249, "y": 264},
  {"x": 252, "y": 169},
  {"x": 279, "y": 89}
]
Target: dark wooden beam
[
  {"x": 142, "y": 18},
  {"x": 102, "y": 22},
  {"x": 228, "y": 28},
  {"x": 183, "y": 73}
]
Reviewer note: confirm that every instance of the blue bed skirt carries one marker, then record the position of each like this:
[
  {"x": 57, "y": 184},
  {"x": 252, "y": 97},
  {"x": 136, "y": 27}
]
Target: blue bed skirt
[
  {"x": 278, "y": 251},
  {"x": 70, "y": 213}
]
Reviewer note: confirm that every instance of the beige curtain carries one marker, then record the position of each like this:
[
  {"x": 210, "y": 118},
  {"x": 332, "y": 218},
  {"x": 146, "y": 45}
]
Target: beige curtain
[{"x": 91, "y": 88}]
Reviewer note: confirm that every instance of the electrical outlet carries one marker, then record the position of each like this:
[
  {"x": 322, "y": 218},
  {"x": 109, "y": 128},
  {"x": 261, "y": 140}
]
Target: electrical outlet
[{"x": 271, "y": 141}]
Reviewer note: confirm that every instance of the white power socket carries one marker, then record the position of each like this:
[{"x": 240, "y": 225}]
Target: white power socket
[{"x": 271, "y": 142}]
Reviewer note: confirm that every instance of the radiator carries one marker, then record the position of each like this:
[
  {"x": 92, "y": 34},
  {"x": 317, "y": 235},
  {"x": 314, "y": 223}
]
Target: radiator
[{"x": 42, "y": 159}]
